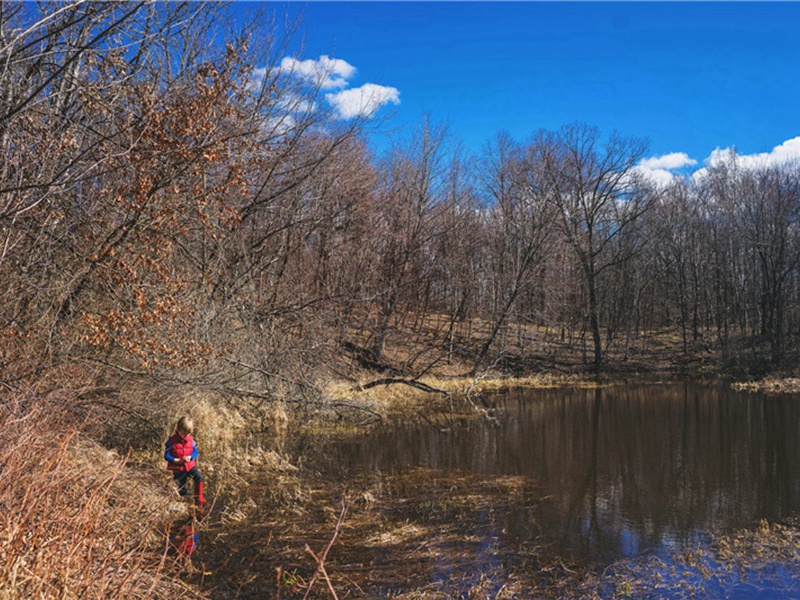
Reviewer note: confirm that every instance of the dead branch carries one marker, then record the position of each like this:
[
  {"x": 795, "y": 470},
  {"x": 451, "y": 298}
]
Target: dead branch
[
  {"x": 321, "y": 560},
  {"x": 410, "y": 382}
]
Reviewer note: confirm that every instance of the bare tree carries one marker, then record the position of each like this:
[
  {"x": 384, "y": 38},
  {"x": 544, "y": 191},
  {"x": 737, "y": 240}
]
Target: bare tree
[
  {"x": 761, "y": 207},
  {"x": 598, "y": 197},
  {"x": 412, "y": 208},
  {"x": 520, "y": 222},
  {"x": 675, "y": 228}
]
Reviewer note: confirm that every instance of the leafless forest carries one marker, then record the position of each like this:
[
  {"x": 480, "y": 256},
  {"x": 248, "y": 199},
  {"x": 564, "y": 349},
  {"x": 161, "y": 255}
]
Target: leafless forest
[
  {"x": 172, "y": 210},
  {"x": 177, "y": 211}
]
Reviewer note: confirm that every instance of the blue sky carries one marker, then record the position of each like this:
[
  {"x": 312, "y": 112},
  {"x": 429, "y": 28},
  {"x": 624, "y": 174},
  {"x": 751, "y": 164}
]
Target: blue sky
[{"x": 689, "y": 77}]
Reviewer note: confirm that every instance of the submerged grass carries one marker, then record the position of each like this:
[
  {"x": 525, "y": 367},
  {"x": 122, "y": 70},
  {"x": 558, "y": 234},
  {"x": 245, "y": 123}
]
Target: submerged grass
[
  {"x": 429, "y": 534},
  {"x": 392, "y": 544},
  {"x": 762, "y": 560}
]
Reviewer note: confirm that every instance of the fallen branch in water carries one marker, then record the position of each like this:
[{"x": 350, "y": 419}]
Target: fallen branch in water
[
  {"x": 410, "y": 382},
  {"x": 321, "y": 559}
]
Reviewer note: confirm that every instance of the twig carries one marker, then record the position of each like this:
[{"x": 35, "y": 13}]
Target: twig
[
  {"x": 321, "y": 568},
  {"x": 468, "y": 390},
  {"x": 321, "y": 560}
]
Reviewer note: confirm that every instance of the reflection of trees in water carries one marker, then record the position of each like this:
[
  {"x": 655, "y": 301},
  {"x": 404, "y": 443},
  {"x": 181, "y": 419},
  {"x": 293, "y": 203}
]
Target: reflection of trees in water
[
  {"x": 628, "y": 467},
  {"x": 653, "y": 465}
]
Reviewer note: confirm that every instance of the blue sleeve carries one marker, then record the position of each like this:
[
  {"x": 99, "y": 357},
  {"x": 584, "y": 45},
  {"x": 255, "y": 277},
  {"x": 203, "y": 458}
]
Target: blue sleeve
[
  {"x": 193, "y": 455},
  {"x": 168, "y": 453}
]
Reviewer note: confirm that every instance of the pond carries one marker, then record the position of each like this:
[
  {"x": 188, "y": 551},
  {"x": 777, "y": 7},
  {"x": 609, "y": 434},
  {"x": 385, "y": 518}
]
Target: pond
[{"x": 619, "y": 472}]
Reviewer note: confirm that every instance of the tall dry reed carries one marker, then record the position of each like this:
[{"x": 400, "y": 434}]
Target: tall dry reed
[{"x": 74, "y": 522}]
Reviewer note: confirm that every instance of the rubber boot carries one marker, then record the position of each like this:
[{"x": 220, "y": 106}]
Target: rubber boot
[{"x": 199, "y": 499}]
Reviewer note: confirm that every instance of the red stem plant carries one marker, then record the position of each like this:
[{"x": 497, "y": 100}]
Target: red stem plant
[{"x": 320, "y": 560}]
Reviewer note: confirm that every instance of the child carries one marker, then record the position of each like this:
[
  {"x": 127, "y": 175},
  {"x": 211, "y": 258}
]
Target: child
[{"x": 181, "y": 456}]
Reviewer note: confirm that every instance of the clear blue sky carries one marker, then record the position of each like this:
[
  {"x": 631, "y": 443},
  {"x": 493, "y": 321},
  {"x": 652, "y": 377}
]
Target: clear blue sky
[{"x": 690, "y": 77}]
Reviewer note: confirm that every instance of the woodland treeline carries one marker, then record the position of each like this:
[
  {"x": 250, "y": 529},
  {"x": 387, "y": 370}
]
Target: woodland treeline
[{"x": 176, "y": 208}]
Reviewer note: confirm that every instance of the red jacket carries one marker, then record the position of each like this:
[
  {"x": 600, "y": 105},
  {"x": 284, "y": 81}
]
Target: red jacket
[{"x": 178, "y": 447}]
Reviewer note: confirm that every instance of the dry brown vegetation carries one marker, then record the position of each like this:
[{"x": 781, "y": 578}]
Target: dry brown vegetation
[
  {"x": 771, "y": 385},
  {"x": 76, "y": 521}
]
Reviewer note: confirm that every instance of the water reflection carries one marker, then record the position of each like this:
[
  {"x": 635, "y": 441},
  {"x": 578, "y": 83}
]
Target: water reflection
[{"x": 627, "y": 468}]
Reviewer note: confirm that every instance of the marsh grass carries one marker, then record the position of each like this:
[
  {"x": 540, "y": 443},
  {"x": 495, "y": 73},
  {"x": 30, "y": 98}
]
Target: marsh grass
[
  {"x": 458, "y": 393},
  {"x": 73, "y": 522}
]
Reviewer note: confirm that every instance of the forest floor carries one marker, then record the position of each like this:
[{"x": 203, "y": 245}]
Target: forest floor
[{"x": 532, "y": 350}]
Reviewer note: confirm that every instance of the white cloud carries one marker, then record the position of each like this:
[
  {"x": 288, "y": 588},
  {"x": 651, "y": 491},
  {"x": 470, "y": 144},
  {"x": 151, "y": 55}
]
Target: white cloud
[
  {"x": 256, "y": 79},
  {"x": 675, "y": 160},
  {"x": 327, "y": 73},
  {"x": 294, "y": 103},
  {"x": 657, "y": 177},
  {"x": 275, "y": 127},
  {"x": 657, "y": 170},
  {"x": 332, "y": 74},
  {"x": 787, "y": 152},
  {"x": 363, "y": 101}
]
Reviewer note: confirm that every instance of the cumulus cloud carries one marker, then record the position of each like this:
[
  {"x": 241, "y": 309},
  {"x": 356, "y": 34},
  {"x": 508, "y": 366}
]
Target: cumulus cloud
[
  {"x": 256, "y": 79},
  {"x": 334, "y": 74},
  {"x": 326, "y": 72},
  {"x": 294, "y": 103},
  {"x": 788, "y": 151},
  {"x": 275, "y": 127},
  {"x": 675, "y": 160},
  {"x": 658, "y": 169},
  {"x": 656, "y": 177},
  {"x": 363, "y": 101},
  {"x": 661, "y": 171}
]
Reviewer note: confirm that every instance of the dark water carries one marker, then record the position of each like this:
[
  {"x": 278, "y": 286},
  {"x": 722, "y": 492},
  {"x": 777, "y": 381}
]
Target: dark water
[{"x": 626, "y": 469}]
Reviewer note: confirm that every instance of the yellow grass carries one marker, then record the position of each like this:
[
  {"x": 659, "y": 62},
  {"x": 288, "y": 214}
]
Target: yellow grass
[
  {"x": 771, "y": 385},
  {"x": 400, "y": 398}
]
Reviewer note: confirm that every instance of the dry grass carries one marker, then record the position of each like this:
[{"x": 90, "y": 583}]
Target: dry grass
[
  {"x": 771, "y": 385},
  {"x": 75, "y": 522},
  {"x": 387, "y": 400}
]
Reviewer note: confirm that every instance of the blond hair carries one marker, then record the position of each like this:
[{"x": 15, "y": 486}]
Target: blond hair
[{"x": 185, "y": 425}]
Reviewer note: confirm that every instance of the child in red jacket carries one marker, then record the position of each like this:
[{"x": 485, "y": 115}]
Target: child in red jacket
[{"x": 181, "y": 457}]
